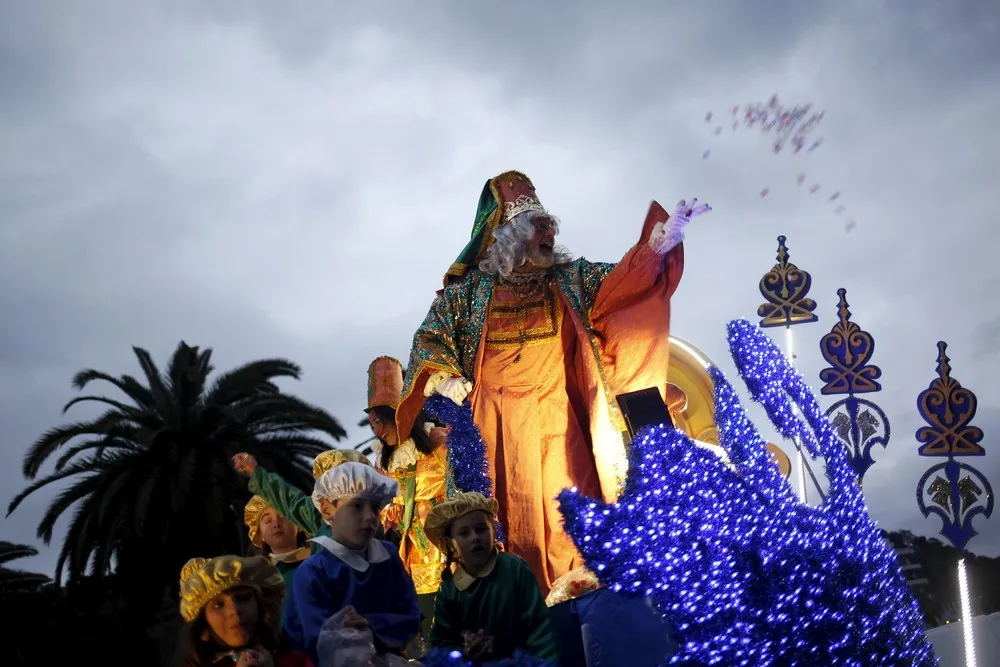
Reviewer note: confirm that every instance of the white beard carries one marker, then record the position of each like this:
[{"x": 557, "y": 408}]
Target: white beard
[{"x": 535, "y": 257}]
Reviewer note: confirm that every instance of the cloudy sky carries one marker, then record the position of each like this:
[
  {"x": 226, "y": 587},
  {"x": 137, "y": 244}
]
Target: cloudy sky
[{"x": 280, "y": 179}]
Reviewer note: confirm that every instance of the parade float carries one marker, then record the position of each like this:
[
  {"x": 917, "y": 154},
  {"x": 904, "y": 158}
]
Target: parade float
[{"x": 721, "y": 549}]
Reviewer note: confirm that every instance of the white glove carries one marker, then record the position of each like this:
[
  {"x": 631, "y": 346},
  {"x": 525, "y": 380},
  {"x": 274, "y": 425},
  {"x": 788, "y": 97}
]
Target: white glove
[
  {"x": 666, "y": 236},
  {"x": 455, "y": 388}
]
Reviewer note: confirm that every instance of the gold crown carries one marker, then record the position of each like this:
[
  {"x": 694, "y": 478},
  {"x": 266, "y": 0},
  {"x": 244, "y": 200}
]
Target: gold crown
[{"x": 522, "y": 204}]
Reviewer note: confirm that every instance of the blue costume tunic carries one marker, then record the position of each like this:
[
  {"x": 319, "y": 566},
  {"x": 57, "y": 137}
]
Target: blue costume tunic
[{"x": 383, "y": 594}]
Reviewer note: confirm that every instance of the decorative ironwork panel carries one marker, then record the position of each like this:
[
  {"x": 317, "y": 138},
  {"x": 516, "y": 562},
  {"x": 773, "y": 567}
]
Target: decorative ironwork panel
[
  {"x": 848, "y": 348},
  {"x": 786, "y": 289},
  {"x": 861, "y": 425},
  {"x": 956, "y": 492},
  {"x": 948, "y": 408},
  {"x": 953, "y": 490}
]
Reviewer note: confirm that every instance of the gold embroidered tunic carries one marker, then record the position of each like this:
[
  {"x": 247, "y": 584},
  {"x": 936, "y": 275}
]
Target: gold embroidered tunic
[{"x": 422, "y": 485}]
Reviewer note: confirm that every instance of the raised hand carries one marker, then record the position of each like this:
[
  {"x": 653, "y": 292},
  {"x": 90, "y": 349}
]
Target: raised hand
[
  {"x": 688, "y": 209},
  {"x": 668, "y": 235},
  {"x": 244, "y": 463}
]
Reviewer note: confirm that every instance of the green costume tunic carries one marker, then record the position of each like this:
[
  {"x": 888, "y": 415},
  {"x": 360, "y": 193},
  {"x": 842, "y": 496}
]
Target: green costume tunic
[
  {"x": 291, "y": 502},
  {"x": 506, "y": 604}
]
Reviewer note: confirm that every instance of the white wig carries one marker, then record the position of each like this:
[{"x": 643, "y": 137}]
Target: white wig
[{"x": 507, "y": 251}]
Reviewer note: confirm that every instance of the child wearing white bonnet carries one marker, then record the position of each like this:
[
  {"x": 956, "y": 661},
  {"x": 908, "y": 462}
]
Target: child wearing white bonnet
[{"x": 356, "y": 582}]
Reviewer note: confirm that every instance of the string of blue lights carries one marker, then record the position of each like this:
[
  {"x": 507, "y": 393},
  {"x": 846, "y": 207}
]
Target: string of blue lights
[{"x": 746, "y": 573}]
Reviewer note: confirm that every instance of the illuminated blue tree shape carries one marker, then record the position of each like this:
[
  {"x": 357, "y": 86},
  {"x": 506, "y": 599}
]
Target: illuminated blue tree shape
[{"x": 745, "y": 573}]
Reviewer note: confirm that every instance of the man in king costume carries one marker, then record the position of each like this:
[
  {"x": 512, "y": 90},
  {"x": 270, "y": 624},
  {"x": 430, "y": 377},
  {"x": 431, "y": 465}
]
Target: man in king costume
[{"x": 541, "y": 344}]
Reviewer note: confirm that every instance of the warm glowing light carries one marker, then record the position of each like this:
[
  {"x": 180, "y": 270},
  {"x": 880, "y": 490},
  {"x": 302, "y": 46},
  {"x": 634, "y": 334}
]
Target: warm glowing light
[
  {"x": 692, "y": 350},
  {"x": 967, "y": 620}
]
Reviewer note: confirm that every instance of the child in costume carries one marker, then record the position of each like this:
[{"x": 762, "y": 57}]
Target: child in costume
[
  {"x": 230, "y": 608},
  {"x": 489, "y": 604},
  {"x": 419, "y": 464},
  {"x": 275, "y": 537},
  {"x": 353, "y": 573},
  {"x": 288, "y": 500}
]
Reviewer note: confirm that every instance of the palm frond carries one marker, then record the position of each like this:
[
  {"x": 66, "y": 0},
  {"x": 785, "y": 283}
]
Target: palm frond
[
  {"x": 11, "y": 551},
  {"x": 188, "y": 372},
  {"x": 103, "y": 444},
  {"x": 157, "y": 387},
  {"x": 127, "y": 384},
  {"x": 251, "y": 380},
  {"x": 110, "y": 422},
  {"x": 84, "y": 465}
]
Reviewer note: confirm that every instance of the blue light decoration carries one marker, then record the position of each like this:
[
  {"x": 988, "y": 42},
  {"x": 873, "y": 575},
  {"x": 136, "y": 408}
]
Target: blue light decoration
[
  {"x": 860, "y": 423},
  {"x": 963, "y": 492},
  {"x": 746, "y": 573},
  {"x": 445, "y": 658}
]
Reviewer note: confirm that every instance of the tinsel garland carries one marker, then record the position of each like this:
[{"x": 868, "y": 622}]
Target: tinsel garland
[
  {"x": 746, "y": 573},
  {"x": 445, "y": 658},
  {"x": 466, "y": 449}
]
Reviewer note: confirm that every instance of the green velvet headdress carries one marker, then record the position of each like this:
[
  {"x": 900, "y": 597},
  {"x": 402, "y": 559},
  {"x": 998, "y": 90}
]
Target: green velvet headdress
[{"x": 503, "y": 197}]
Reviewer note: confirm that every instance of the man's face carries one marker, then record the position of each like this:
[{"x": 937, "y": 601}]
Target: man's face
[
  {"x": 472, "y": 536},
  {"x": 277, "y": 532},
  {"x": 353, "y": 521},
  {"x": 541, "y": 246}
]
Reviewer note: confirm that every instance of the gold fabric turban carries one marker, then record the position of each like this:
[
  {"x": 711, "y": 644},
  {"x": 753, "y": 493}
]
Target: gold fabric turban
[
  {"x": 251, "y": 517},
  {"x": 442, "y": 516},
  {"x": 204, "y": 578},
  {"x": 334, "y": 457}
]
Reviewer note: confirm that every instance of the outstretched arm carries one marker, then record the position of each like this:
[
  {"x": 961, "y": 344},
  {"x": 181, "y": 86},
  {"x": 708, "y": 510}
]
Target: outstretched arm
[
  {"x": 652, "y": 269},
  {"x": 290, "y": 501}
]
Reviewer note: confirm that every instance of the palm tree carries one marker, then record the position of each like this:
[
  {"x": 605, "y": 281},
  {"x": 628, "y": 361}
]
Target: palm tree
[
  {"x": 152, "y": 476},
  {"x": 18, "y": 581}
]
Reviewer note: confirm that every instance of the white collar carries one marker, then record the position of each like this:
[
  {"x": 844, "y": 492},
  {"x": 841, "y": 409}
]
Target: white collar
[
  {"x": 463, "y": 578},
  {"x": 358, "y": 560},
  {"x": 293, "y": 556}
]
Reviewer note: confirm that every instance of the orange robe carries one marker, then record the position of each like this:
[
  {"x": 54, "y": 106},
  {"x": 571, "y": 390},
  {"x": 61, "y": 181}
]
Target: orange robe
[{"x": 549, "y": 420}]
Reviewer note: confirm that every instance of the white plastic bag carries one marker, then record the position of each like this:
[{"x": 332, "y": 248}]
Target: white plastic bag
[{"x": 348, "y": 647}]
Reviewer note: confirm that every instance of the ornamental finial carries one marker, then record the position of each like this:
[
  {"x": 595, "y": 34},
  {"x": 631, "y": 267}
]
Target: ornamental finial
[
  {"x": 948, "y": 408},
  {"x": 848, "y": 348},
  {"x": 786, "y": 289}
]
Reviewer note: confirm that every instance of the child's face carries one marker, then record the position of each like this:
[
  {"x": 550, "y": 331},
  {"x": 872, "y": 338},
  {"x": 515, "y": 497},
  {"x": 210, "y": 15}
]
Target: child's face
[
  {"x": 473, "y": 538},
  {"x": 353, "y": 521},
  {"x": 232, "y": 617},
  {"x": 277, "y": 532}
]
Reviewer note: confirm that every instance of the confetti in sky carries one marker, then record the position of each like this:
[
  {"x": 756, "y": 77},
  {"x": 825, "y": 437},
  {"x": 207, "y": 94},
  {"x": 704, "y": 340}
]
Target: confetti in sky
[{"x": 790, "y": 130}]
